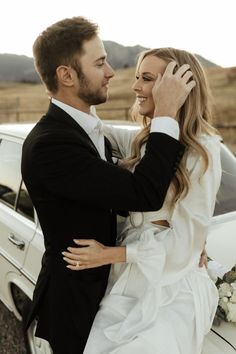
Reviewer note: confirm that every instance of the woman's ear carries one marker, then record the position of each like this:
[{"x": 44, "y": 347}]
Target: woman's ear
[{"x": 65, "y": 75}]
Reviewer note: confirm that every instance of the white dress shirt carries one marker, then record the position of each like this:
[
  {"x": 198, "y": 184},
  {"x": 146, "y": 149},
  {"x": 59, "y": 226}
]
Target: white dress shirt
[{"x": 93, "y": 126}]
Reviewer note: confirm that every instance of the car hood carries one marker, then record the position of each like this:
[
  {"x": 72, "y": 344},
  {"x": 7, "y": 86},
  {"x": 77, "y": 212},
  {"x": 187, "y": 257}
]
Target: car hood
[{"x": 227, "y": 330}]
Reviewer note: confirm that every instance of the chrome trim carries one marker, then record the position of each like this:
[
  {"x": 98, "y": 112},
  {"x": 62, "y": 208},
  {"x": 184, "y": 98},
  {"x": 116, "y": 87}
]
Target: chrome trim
[
  {"x": 11, "y": 262},
  {"x": 28, "y": 276}
]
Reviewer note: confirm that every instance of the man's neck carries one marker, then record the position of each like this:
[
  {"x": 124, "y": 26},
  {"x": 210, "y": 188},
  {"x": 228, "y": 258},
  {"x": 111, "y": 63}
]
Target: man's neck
[{"x": 74, "y": 102}]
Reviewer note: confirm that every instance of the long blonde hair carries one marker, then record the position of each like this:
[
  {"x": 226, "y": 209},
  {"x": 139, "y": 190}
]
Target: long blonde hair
[{"x": 194, "y": 119}]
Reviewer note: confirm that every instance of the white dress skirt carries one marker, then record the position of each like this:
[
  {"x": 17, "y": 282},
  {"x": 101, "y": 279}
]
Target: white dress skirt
[{"x": 160, "y": 301}]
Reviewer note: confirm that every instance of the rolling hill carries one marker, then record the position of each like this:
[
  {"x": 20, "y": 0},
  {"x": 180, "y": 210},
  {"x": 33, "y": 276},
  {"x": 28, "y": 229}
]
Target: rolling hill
[{"x": 20, "y": 68}]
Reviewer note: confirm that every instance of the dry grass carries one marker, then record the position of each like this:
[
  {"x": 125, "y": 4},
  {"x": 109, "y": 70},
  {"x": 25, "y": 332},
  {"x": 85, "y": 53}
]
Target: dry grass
[
  {"x": 34, "y": 98},
  {"x": 224, "y": 94}
]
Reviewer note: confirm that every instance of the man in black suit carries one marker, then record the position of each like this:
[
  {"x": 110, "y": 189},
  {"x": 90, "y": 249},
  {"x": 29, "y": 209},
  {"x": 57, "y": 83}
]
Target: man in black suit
[{"x": 72, "y": 181}]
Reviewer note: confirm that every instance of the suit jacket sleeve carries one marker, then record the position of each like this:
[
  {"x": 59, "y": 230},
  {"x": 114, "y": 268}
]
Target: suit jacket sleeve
[{"x": 68, "y": 169}]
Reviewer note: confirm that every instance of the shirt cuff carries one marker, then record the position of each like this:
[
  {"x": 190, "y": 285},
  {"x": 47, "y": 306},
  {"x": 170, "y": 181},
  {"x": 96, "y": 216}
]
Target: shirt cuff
[
  {"x": 166, "y": 125},
  {"x": 132, "y": 252}
]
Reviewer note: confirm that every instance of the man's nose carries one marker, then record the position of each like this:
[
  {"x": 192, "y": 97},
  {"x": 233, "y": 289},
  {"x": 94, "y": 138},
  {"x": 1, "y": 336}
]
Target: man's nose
[{"x": 109, "y": 70}]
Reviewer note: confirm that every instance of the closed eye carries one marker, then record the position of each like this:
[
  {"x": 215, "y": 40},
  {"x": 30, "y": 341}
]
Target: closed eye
[
  {"x": 144, "y": 78},
  {"x": 101, "y": 63}
]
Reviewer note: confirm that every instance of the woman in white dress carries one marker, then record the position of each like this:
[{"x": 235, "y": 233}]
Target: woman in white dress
[{"x": 159, "y": 301}]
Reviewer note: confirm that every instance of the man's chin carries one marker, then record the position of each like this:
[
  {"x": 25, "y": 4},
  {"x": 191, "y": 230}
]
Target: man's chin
[{"x": 101, "y": 100}]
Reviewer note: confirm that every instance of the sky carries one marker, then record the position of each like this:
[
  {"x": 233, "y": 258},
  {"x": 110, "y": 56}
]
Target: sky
[{"x": 204, "y": 27}]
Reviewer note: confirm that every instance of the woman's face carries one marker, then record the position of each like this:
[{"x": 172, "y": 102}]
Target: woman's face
[{"x": 146, "y": 76}]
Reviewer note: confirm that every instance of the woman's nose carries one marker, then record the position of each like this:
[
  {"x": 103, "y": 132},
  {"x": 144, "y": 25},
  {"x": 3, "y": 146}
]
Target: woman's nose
[{"x": 136, "y": 87}]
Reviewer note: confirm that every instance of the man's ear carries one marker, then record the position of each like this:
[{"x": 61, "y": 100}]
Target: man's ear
[{"x": 65, "y": 75}]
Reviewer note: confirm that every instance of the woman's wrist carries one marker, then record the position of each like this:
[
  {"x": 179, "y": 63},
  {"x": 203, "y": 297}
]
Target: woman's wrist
[{"x": 115, "y": 254}]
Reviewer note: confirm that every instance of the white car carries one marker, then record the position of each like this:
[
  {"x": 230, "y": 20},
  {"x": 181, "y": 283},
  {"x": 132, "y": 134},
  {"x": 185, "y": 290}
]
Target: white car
[{"x": 21, "y": 239}]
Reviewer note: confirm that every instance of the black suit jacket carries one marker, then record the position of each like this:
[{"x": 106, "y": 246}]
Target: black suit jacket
[{"x": 75, "y": 194}]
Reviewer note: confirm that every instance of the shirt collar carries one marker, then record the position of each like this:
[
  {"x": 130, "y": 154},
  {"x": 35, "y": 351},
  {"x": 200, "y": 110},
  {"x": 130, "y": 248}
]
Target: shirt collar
[{"x": 89, "y": 122}]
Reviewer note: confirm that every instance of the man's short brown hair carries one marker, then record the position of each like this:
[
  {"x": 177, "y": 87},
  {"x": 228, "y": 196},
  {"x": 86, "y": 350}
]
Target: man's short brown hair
[{"x": 58, "y": 45}]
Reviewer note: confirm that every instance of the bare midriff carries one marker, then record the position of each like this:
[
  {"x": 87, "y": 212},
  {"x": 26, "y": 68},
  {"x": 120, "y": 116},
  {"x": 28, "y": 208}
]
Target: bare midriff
[{"x": 161, "y": 222}]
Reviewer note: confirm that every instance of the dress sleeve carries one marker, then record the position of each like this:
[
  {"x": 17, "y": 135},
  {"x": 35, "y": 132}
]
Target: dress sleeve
[
  {"x": 120, "y": 139},
  {"x": 184, "y": 241},
  {"x": 192, "y": 215}
]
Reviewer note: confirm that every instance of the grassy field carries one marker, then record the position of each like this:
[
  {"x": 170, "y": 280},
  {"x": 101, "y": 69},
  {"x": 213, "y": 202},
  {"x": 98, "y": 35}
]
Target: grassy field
[{"x": 30, "y": 98}]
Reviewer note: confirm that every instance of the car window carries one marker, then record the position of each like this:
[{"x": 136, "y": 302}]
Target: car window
[
  {"x": 10, "y": 176},
  {"x": 226, "y": 196},
  {"x": 24, "y": 204}
]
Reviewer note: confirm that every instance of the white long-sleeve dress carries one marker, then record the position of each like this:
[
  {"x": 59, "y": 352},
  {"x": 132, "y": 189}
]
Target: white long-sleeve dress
[{"x": 160, "y": 301}]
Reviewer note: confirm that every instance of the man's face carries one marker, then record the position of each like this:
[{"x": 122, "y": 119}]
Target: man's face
[{"x": 94, "y": 73}]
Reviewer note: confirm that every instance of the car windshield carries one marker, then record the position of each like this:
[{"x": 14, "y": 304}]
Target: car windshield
[{"x": 226, "y": 197}]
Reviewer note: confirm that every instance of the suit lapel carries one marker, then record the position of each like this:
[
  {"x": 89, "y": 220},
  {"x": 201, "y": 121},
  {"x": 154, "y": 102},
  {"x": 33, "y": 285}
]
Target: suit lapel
[
  {"x": 108, "y": 150},
  {"x": 61, "y": 116}
]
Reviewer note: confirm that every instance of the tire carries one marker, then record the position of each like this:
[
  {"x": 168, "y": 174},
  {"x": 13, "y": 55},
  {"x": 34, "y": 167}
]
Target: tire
[{"x": 34, "y": 345}]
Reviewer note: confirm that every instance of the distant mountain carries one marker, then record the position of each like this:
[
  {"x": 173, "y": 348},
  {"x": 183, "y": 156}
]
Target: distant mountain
[
  {"x": 206, "y": 63},
  {"x": 21, "y": 68},
  {"x": 17, "y": 68},
  {"x": 120, "y": 56}
]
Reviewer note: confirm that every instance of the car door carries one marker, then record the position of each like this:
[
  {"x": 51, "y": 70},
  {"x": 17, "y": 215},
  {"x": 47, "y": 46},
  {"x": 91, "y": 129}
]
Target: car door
[
  {"x": 221, "y": 247},
  {"x": 16, "y": 230},
  {"x": 32, "y": 264},
  {"x": 221, "y": 241}
]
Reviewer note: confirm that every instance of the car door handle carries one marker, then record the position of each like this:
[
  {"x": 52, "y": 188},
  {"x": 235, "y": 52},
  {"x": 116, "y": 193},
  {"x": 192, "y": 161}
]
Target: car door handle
[{"x": 18, "y": 243}]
